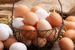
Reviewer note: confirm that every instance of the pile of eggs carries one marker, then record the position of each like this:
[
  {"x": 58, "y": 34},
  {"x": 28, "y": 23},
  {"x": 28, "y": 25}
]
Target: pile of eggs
[
  {"x": 34, "y": 20},
  {"x": 7, "y": 40}
]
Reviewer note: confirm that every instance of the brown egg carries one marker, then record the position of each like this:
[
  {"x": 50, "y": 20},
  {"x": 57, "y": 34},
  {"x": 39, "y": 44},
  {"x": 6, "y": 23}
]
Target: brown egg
[
  {"x": 66, "y": 44},
  {"x": 29, "y": 32},
  {"x": 69, "y": 25},
  {"x": 40, "y": 42},
  {"x": 30, "y": 18},
  {"x": 55, "y": 19},
  {"x": 20, "y": 10},
  {"x": 70, "y": 18},
  {"x": 1, "y": 45},
  {"x": 27, "y": 42},
  {"x": 52, "y": 35},
  {"x": 70, "y": 34},
  {"x": 9, "y": 41}
]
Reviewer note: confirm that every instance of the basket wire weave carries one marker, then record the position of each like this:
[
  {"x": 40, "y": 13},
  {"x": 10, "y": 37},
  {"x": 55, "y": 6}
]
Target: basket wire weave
[{"x": 19, "y": 37}]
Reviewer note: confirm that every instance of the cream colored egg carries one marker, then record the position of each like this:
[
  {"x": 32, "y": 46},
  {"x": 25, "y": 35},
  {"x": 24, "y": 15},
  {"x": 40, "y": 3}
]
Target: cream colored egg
[
  {"x": 7, "y": 27},
  {"x": 43, "y": 25},
  {"x": 41, "y": 13},
  {"x": 30, "y": 18},
  {"x": 17, "y": 22},
  {"x": 4, "y": 33},
  {"x": 18, "y": 46}
]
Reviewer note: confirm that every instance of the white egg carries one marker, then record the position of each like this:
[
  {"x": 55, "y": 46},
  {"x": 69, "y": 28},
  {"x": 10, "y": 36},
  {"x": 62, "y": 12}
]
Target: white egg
[
  {"x": 17, "y": 22},
  {"x": 43, "y": 25},
  {"x": 7, "y": 28},
  {"x": 18, "y": 46},
  {"x": 42, "y": 14},
  {"x": 4, "y": 34}
]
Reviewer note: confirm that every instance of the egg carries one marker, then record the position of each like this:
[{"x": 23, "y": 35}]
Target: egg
[
  {"x": 27, "y": 42},
  {"x": 18, "y": 46},
  {"x": 40, "y": 42},
  {"x": 70, "y": 34},
  {"x": 7, "y": 27},
  {"x": 4, "y": 33},
  {"x": 1, "y": 45},
  {"x": 42, "y": 26},
  {"x": 20, "y": 10},
  {"x": 52, "y": 35},
  {"x": 69, "y": 25},
  {"x": 54, "y": 19},
  {"x": 9, "y": 42},
  {"x": 70, "y": 18},
  {"x": 30, "y": 18},
  {"x": 29, "y": 32},
  {"x": 66, "y": 44},
  {"x": 41, "y": 13},
  {"x": 17, "y": 22}
]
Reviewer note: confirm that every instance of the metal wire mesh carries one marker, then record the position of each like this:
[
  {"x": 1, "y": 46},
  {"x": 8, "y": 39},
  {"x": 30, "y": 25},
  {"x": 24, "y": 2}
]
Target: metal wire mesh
[{"x": 57, "y": 32}]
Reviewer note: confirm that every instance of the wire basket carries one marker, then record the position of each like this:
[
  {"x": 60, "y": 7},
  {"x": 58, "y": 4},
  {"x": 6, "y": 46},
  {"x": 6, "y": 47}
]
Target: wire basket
[
  {"x": 57, "y": 33},
  {"x": 53, "y": 32}
]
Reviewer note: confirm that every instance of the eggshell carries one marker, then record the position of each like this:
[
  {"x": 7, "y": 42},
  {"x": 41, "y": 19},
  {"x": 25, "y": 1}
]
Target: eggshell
[
  {"x": 31, "y": 18},
  {"x": 29, "y": 32},
  {"x": 66, "y": 44},
  {"x": 27, "y": 42},
  {"x": 7, "y": 27},
  {"x": 70, "y": 18},
  {"x": 4, "y": 33},
  {"x": 9, "y": 42},
  {"x": 18, "y": 46},
  {"x": 52, "y": 35},
  {"x": 70, "y": 34},
  {"x": 54, "y": 19},
  {"x": 17, "y": 22},
  {"x": 1, "y": 45},
  {"x": 41, "y": 13},
  {"x": 69, "y": 25},
  {"x": 20, "y": 10},
  {"x": 42, "y": 27},
  {"x": 40, "y": 42}
]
